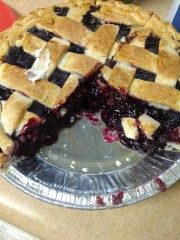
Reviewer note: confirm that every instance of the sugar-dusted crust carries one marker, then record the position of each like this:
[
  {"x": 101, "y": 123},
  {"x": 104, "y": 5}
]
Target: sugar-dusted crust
[
  {"x": 30, "y": 43},
  {"x": 71, "y": 30},
  {"x": 100, "y": 43},
  {"x": 43, "y": 91},
  {"x": 6, "y": 144},
  {"x": 116, "y": 11},
  {"x": 168, "y": 68},
  {"x": 156, "y": 93},
  {"x": 138, "y": 57},
  {"x": 148, "y": 125},
  {"x": 130, "y": 127},
  {"x": 13, "y": 111},
  {"x": 3, "y": 160},
  {"x": 120, "y": 77},
  {"x": 79, "y": 63},
  {"x": 161, "y": 28},
  {"x": 96, "y": 47}
]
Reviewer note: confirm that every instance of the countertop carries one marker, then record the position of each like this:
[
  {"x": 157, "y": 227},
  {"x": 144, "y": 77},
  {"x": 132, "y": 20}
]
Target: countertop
[
  {"x": 157, "y": 218},
  {"x": 153, "y": 219}
]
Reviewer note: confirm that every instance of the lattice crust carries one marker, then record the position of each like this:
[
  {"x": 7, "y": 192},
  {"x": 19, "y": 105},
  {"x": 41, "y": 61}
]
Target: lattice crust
[
  {"x": 161, "y": 68},
  {"x": 73, "y": 40}
]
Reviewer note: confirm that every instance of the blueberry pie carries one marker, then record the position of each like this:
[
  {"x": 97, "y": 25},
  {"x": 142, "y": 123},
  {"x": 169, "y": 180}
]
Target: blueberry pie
[{"x": 89, "y": 56}]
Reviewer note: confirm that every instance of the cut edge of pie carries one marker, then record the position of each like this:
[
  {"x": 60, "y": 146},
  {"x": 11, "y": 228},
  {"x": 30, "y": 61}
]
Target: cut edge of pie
[{"x": 126, "y": 60}]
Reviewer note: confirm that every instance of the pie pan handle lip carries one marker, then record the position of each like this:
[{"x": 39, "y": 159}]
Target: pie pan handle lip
[{"x": 81, "y": 191}]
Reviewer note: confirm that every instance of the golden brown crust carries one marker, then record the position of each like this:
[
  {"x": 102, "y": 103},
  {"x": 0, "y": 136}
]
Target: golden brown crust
[
  {"x": 71, "y": 30},
  {"x": 69, "y": 87},
  {"x": 30, "y": 43},
  {"x": 79, "y": 63},
  {"x": 161, "y": 28},
  {"x": 3, "y": 160},
  {"x": 6, "y": 144},
  {"x": 156, "y": 93},
  {"x": 100, "y": 43},
  {"x": 76, "y": 13},
  {"x": 138, "y": 57},
  {"x": 43, "y": 91},
  {"x": 130, "y": 127},
  {"x": 116, "y": 11},
  {"x": 120, "y": 77},
  {"x": 168, "y": 69},
  {"x": 148, "y": 125},
  {"x": 99, "y": 46},
  {"x": 13, "y": 111}
]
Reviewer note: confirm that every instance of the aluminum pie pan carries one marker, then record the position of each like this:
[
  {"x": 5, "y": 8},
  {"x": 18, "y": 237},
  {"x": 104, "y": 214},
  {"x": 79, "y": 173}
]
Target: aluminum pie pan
[{"x": 45, "y": 178}]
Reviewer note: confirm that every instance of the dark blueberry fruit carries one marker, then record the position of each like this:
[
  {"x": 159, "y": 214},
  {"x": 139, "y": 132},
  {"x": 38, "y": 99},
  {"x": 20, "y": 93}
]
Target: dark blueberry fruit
[
  {"x": 175, "y": 135},
  {"x": 61, "y": 11},
  {"x": 5, "y": 93},
  {"x": 18, "y": 57},
  {"x": 153, "y": 112},
  {"x": 178, "y": 85},
  {"x": 50, "y": 137},
  {"x": 105, "y": 114},
  {"x": 38, "y": 109},
  {"x": 173, "y": 119},
  {"x": 29, "y": 141},
  {"x": 94, "y": 8},
  {"x": 130, "y": 143},
  {"x": 41, "y": 33},
  {"x": 76, "y": 49},
  {"x": 59, "y": 77},
  {"x": 149, "y": 147},
  {"x": 110, "y": 63},
  {"x": 152, "y": 44},
  {"x": 124, "y": 30},
  {"x": 91, "y": 22},
  {"x": 145, "y": 75}
]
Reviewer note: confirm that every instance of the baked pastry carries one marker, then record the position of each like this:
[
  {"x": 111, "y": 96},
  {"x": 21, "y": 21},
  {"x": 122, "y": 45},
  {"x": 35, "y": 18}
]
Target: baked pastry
[{"x": 89, "y": 56}]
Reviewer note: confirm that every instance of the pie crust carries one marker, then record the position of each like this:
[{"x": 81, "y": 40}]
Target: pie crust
[{"x": 50, "y": 55}]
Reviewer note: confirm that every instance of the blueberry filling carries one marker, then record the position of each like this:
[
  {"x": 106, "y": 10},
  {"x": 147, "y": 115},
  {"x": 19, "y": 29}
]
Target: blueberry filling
[
  {"x": 95, "y": 95},
  {"x": 94, "y": 8},
  {"x": 61, "y": 11},
  {"x": 39, "y": 109},
  {"x": 5, "y": 93},
  {"x": 90, "y": 21},
  {"x": 152, "y": 44},
  {"x": 124, "y": 30},
  {"x": 59, "y": 77},
  {"x": 29, "y": 141},
  {"x": 76, "y": 49},
  {"x": 41, "y": 33},
  {"x": 145, "y": 75},
  {"x": 110, "y": 63},
  {"x": 96, "y": 90},
  {"x": 114, "y": 106},
  {"x": 178, "y": 85},
  {"x": 17, "y": 56}
]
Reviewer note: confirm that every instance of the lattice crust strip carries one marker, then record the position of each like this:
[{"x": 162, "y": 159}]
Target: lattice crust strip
[{"x": 45, "y": 54}]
